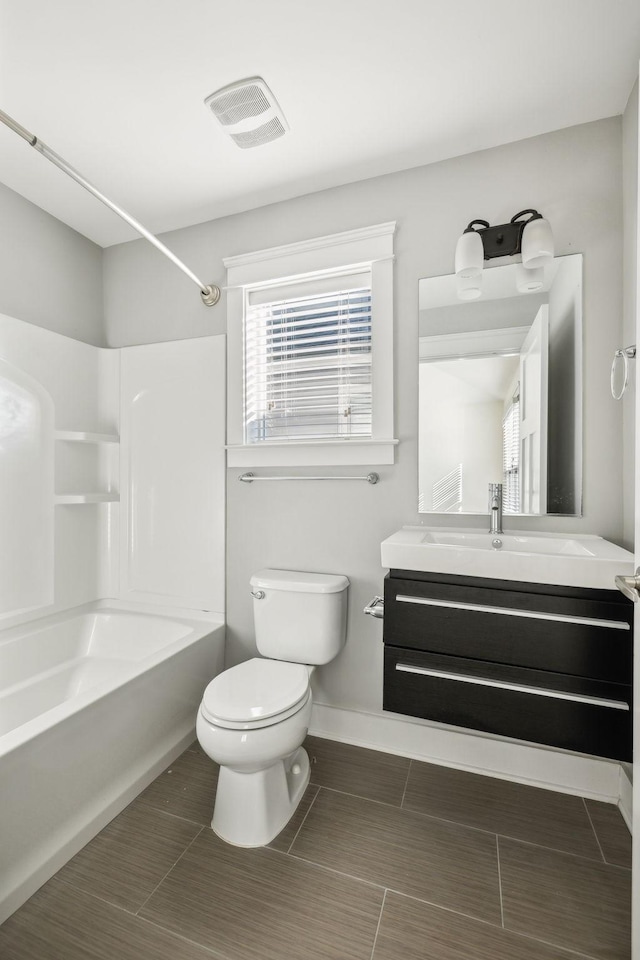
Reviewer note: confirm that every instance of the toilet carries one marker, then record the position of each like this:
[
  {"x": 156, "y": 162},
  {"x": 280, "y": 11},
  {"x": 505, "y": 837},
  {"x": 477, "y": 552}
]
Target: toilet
[{"x": 254, "y": 717}]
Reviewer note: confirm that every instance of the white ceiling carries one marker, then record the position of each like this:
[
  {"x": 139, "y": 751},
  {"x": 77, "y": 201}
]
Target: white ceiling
[{"x": 368, "y": 86}]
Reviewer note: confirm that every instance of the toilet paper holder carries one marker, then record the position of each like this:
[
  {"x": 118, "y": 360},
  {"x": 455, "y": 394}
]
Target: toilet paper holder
[{"x": 375, "y": 608}]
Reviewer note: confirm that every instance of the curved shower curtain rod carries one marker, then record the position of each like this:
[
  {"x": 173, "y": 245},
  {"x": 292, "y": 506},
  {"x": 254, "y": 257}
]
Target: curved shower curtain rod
[{"x": 209, "y": 292}]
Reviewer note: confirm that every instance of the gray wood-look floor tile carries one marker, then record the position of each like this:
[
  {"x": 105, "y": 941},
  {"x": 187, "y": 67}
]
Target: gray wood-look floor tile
[
  {"x": 446, "y": 864},
  {"x": 60, "y": 923},
  {"x": 263, "y": 905},
  {"x": 411, "y": 930},
  {"x": 365, "y": 773},
  {"x": 129, "y": 858},
  {"x": 578, "y": 904},
  {"x": 511, "y": 809},
  {"x": 284, "y": 839},
  {"x": 187, "y": 788},
  {"x": 613, "y": 833}
]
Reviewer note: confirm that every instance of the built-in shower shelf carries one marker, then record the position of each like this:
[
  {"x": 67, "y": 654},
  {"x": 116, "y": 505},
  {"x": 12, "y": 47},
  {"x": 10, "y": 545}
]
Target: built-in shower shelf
[
  {"x": 78, "y": 436},
  {"x": 73, "y": 498}
]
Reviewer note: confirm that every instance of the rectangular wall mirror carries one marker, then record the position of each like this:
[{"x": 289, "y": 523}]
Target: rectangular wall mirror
[{"x": 500, "y": 393}]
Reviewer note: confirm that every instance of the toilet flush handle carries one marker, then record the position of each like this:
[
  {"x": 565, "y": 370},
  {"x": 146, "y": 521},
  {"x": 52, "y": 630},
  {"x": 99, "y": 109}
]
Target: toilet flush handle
[{"x": 258, "y": 594}]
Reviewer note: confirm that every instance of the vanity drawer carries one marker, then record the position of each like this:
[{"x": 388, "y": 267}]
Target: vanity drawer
[
  {"x": 574, "y": 634},
  {"x": 572, "y": 713}
]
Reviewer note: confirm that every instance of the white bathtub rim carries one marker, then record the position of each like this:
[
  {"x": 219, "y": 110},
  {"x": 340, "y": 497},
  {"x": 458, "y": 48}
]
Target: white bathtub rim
[
  {"x": 201, "y": 623},
  {"x": 46, "y": 619},
  {"x": 31, "y": 615}
]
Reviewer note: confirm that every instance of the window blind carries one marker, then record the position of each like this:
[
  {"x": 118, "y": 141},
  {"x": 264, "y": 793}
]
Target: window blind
[
  {"x": 308, "y": 360},
  {"x": 511, "y": 455}
]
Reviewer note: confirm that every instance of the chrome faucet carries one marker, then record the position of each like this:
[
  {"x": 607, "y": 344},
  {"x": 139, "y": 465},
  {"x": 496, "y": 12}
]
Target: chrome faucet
[{"x": 495, "y": 508}]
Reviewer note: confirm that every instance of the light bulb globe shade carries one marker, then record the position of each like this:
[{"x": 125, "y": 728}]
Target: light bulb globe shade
[
  {"x": 469, "y": 255},
  {"x": 469, "y": 288},
  {"x": 527, "y": 280},
  {"x": 537, "y": 244}
]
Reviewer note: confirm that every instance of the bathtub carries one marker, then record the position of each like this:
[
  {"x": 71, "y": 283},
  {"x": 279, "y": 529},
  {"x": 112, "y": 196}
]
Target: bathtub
[{"x": 94, "y": 703}]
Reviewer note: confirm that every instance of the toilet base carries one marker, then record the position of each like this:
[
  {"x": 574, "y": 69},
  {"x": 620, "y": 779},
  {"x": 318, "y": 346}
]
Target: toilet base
[{"x": 252, "y": 808}]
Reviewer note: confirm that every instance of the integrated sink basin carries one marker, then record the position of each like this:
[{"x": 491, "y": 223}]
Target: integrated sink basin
[{"x": 576, "y": 561}]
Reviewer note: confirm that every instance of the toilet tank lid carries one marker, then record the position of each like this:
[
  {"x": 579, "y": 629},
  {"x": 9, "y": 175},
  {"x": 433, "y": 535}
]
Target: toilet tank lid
[{"x": 298, "y": 581}]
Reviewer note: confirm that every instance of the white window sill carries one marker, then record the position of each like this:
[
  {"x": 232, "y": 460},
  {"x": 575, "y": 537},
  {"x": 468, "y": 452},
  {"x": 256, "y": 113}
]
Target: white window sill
[{"x": 313, "y": 453}]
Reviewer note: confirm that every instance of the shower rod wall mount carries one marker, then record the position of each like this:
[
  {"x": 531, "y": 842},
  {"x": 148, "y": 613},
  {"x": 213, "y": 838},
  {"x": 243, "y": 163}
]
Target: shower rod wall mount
[{"x": 209, "y": 292}]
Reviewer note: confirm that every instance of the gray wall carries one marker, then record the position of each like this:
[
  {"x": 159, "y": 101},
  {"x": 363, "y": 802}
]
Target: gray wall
[
  {"x": 50, "y": 275},
  {"x": 630, "y": 296},
  {"x": 573, "y": 177}
]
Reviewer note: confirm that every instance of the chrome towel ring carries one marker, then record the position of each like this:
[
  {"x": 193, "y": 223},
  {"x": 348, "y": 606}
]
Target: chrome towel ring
[{"x": 625, "y": 354}]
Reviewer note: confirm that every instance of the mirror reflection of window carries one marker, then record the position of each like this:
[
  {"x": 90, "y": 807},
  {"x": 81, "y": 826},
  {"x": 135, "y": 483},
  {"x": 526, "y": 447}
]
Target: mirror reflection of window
[
  {"x": 511, "y": 455},
  {"x": 474, "y": 357}
]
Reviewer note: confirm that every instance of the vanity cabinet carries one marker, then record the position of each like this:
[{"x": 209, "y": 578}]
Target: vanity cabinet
[{"x": 534, "y": 662}]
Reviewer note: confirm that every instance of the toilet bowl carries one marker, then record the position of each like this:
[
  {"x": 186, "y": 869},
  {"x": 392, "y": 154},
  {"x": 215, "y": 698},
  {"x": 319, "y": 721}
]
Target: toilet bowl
[
  {"x": 252, "y": 721},
  {"x": 254, "y": 717}
]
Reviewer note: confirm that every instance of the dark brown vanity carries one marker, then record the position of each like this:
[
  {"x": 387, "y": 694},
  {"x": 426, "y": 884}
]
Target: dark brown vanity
[{"x": 535, "y": 662}]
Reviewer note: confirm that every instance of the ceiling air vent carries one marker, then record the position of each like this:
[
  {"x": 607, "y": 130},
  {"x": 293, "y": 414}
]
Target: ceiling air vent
[{"x": 248, "y": 111}]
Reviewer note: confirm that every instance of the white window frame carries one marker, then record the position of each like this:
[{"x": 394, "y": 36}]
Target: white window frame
[{"x": 369, "y": 247}]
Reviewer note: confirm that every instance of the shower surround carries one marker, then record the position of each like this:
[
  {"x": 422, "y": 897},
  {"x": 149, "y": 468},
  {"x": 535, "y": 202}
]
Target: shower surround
[{"x": 112, "y": 596}]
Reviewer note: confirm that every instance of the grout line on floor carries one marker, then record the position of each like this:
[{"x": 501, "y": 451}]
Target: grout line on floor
[
  {"x": 303, "y": 820},
  {"x": 167, "y": 813},
  {"x": 406, "y": 784},
  {"x": 595, "y": 832},
  {"x": 566, "y": 853},
  {"x": 488, "y": 923},
  {"x": 554, "y": 946},
  {"x": 322, "y": 866},
  {"x": 375, "y": 939},
  {"x": 215, "y": 954},
  {"x": 86, "y": 893},
  {"x": 468, "y": 826},
  {"x": 395, "y": 806},
  {"x": 500, "y": 880},
  {"x": 142, "y": 906},
  {"x": 358, "y": 796},
  {"x": 379, "y": 886}
]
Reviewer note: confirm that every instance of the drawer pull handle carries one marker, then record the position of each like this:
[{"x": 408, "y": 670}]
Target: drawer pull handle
[
  {"x": 514, "y": 687},
  {"x": 508, "y": 612}
]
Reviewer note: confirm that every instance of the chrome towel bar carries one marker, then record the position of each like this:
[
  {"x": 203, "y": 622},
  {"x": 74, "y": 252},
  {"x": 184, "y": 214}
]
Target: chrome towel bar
[{"x": 250, "y": 477}]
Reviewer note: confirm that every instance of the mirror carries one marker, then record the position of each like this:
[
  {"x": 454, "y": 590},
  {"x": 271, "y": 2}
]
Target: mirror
[{"x": 500, "y": 393}]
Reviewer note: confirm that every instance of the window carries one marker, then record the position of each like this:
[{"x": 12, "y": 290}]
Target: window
[
  {"x": 308, "y": 362},
  {"x": 310, "y": 352}
]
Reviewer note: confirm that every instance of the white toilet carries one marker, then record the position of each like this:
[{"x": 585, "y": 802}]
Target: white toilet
[{"x": 254, "y": 717}]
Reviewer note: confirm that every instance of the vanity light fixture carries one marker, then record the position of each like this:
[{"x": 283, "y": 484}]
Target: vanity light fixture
[
  {"x": 532, "y": 238},
  {"x": 529, "y": 280}
]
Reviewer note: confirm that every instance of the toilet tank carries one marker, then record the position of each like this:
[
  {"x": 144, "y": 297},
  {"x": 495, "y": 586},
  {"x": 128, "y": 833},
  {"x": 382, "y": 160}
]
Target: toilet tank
[{"x": 301, "y": 617}]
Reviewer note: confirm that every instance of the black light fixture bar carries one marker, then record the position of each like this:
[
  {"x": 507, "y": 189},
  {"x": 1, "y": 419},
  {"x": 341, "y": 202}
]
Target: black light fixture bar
[{"x": 505, "y": 239}]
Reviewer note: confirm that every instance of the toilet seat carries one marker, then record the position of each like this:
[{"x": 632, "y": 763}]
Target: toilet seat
[{"x": 257, "y": 693}]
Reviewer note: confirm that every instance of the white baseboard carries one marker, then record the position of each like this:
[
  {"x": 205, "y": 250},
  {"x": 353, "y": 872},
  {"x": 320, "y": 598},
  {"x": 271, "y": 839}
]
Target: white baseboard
[
  {"x": 625, "y": 803},
  {"x": 530, "y": 764}
]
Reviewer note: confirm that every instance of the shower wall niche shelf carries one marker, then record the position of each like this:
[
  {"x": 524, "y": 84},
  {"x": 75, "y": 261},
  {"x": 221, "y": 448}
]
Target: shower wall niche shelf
[
  {"x": 86, "y": 467},
  {"x": 68, "y": 499},
  {"x": 78, "y": 436}
]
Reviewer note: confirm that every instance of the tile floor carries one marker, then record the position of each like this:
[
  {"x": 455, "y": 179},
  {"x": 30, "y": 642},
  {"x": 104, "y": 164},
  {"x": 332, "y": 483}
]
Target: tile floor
[{"x": 386, "y": 859}]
